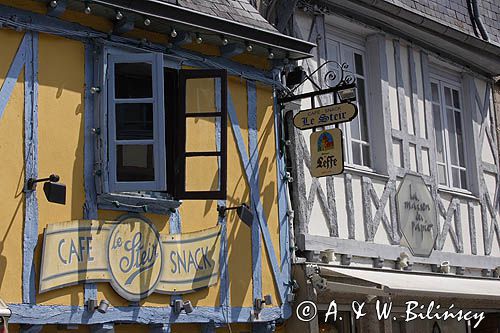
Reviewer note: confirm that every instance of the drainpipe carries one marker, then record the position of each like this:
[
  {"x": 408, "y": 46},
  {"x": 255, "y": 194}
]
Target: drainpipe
[{"x": 474, "y": 8}]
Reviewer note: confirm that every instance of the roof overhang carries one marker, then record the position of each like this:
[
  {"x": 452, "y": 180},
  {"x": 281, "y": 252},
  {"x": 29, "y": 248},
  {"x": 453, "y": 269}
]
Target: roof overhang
[
  {"x": 480, "y": 55},
  {"x": 165, "y": 15}
]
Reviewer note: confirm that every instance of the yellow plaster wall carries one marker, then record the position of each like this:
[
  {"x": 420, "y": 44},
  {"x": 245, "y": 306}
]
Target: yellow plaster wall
[
  {"x": 11, "y": 175},
  {"x": 268, "y": 183},
  {"x": 61, "y": 121},
  {"x": 60, "y": 140}
]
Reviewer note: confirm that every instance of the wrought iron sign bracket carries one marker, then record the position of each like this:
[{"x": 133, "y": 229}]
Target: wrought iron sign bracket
[
  {"x": 336, "y": 79},
  {"x": 327, "y": 154}
]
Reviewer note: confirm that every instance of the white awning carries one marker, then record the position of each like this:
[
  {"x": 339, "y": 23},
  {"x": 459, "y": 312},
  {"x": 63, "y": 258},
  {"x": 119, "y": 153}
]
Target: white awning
[{"x": 415, "y": 284}]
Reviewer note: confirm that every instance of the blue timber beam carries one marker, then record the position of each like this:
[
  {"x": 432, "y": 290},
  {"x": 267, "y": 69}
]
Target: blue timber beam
[
  {"x": 62, "y": 314},
  {"x": 102, "y": 328}
]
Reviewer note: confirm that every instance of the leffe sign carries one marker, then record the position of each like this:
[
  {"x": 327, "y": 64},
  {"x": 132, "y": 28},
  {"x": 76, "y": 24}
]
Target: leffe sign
[
  {"x": 417, "y": 215},
  {"x": 325, "y": 115},
  {"x": 131, "y": 255},
  {"x": 326, "y": 153}
]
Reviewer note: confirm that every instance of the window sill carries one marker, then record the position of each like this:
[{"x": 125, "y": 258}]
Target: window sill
[
  {"x": 364, "y": 171},
  {"x": 138, "y": 203},
  {"x": 457, "y": 192}
]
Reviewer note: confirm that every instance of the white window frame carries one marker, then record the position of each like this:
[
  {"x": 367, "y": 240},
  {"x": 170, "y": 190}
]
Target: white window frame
[
  {"x": 347, "y": 48},
  {"x": 159, "y": 182},
  {"x": 444, "y": 80}
]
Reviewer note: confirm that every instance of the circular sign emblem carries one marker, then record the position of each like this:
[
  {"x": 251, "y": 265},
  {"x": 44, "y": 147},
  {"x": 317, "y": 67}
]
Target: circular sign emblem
[{"x": 134, "y": 258}]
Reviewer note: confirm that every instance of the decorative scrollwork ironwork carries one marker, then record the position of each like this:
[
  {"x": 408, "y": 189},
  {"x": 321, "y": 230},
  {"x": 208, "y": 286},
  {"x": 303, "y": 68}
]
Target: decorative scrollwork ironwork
[{"x": 337, "y": 76}]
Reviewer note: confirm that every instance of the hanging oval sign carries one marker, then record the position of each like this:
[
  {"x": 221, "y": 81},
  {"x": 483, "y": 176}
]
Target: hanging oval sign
[
  {"x": 134, "y": 258},
  {"x": 325, "y": 115}
]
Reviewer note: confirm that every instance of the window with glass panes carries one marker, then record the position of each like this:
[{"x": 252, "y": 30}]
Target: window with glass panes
[
  {"x": 448, "y": 127},
  {"x": 357, "y": 143},
  {"x": 153, "y": 116}
]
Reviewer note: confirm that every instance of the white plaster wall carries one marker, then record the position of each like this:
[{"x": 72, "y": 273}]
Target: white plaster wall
[{"x": 318, "y": 224}]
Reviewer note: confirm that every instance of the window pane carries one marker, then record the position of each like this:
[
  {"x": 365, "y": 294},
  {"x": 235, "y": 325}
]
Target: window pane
[
  {"x": 202, "y": 173},
  {"x": 439, "y": 133},
  {"x": 200, "y": 95},
  {"x": 356, "y": 153},
  {"x": 452, "y": 137},
  {"x": 134, "y": 121},
  {"x": 456, "y": 177},
  {"x": 133, "y": 80},
  {"x": 442, "y": 174},
  {"x": 456, "y": 99},
  {"x": 362, "y": 116},
  {"x": 355, "y": 127},
  {"x": 201, "y": 134},
  {"x": 435, "y": 92},
  {"x": 447, "y": 96},
  {"x": 358, "y": 62},
  {"x": 366, "y": 155},
  {"x": 463, "y": 179},
  {"x": 134, "y": 163},
  {"x": 397, "y": 152},
  {"x": 460, "y": 140}
]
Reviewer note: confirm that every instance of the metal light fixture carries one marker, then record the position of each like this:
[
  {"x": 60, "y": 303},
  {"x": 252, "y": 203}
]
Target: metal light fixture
[
  {"x": 327, "y": 256},
  {"x": 258, "y": 304},
  {"x": 347, "y": 95},
  {"x": 243, "y": 211},
  {"x": 178, "y": 305},
  {"x": 95, "y": 90},
  {"x": 53, "y": 3},
  {"x": 445, "y": 267},
  {"x": 403, "y": 261},
  {"x": 87, "y": 9},
  {"x": 101, "y": 308},
  {"x": 54, "y": 192},
  {"x": 198, "y": 39},
  {"x": 118, "y": 15},
  {"x": 249, "y": 47},
  {"x": 188, "y": 307},
  {"x": 270, "y": 54},
  {"x": 173, "y": 33},
  {"x": 147, "y": 22},
  {"x": 224, "y": 40},
  {"x": 496, "y": 272}
]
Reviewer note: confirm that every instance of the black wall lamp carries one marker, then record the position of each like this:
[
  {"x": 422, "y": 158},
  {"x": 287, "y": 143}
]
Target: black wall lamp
[
  {"x": 295, "y": 77},
  {"x": 243, "y": 211},
  {"x": 54, "y": 191}
]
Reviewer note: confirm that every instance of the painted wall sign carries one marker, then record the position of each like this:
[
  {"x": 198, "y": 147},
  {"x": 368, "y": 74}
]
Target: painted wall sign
[
  {"x": 325, "y": 115},
  {"x": 417, "y": 215},
  {"x": 326, "y": 153},
  {"x": 131, "y": 255}
]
